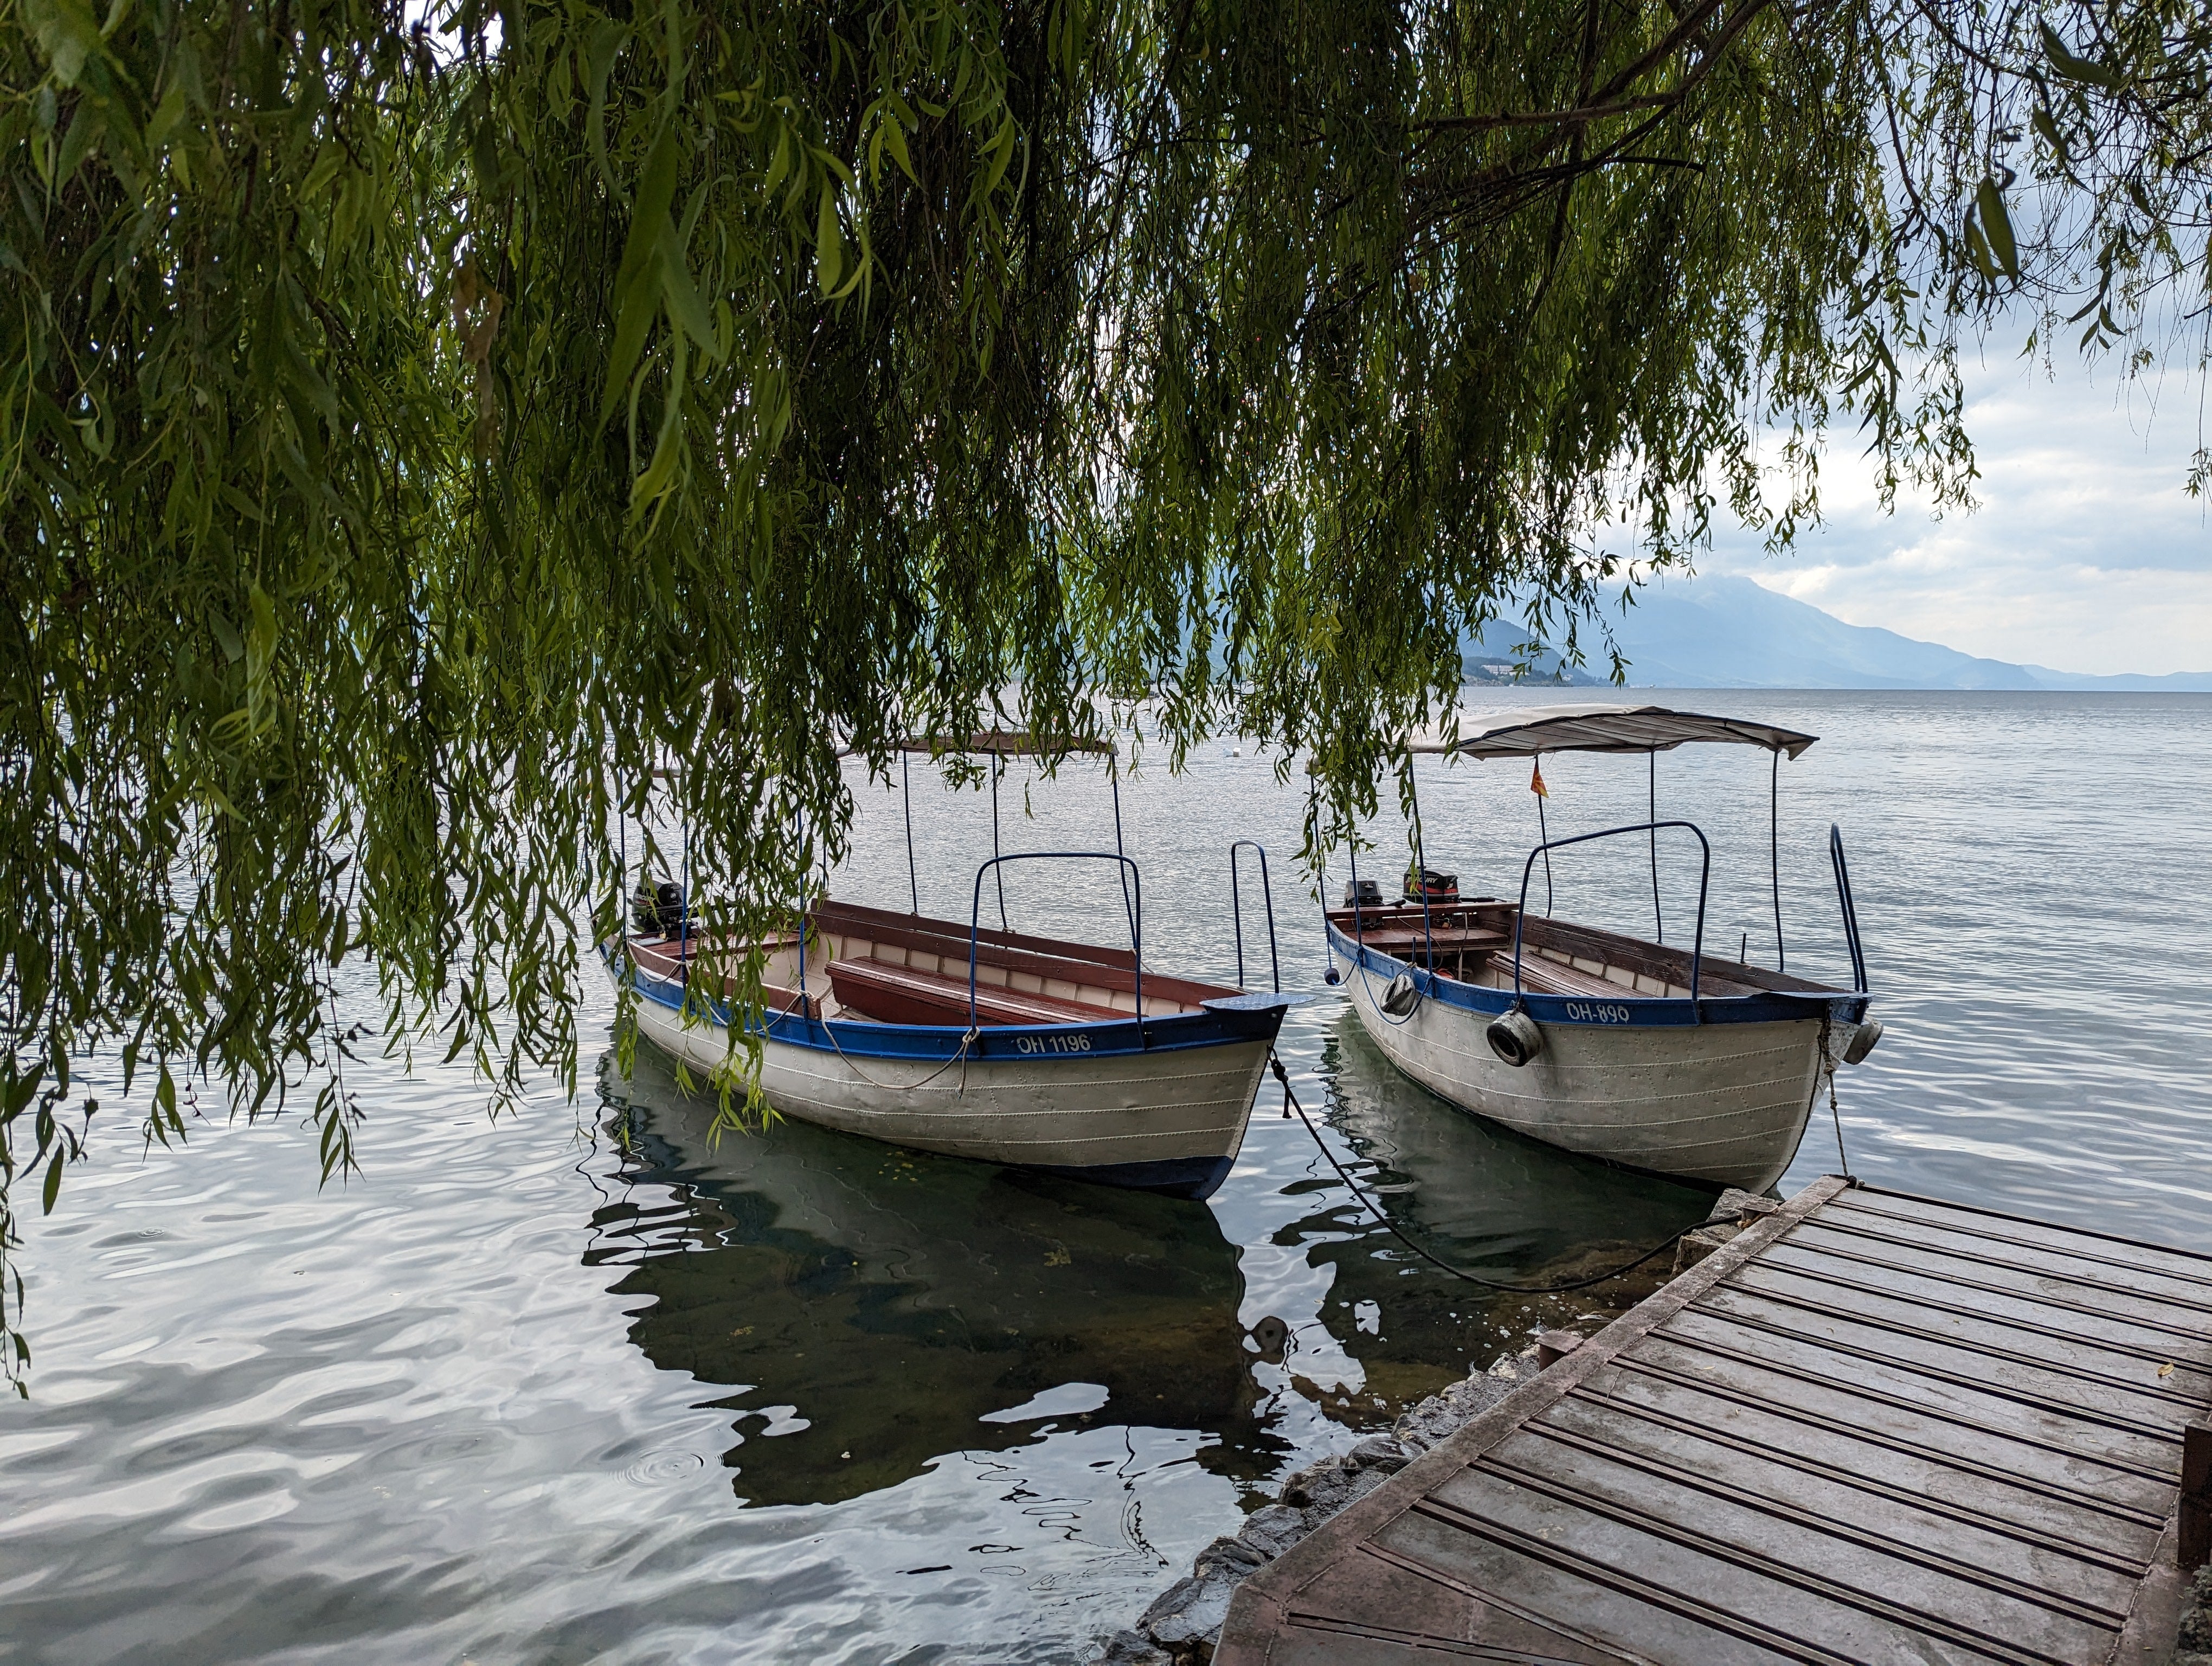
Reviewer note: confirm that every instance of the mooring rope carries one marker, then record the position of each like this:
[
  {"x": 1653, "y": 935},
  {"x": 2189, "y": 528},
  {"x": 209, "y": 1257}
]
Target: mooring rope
[
  {"x": 959, "y": 1058},
  {"x": 1291, "y": 1103},
  {"x": 1828, "y": 1070}
]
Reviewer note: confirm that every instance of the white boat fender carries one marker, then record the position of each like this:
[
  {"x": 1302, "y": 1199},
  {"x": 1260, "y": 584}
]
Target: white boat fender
[
  {"x": 1515, "y": 1037},
  {"x": 1863, "y": 1040},
  {"x": 1402, "y": 996}
]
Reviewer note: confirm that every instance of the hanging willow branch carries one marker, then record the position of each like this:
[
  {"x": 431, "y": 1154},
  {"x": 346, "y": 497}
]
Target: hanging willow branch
[{"x": 414, "y": 434}]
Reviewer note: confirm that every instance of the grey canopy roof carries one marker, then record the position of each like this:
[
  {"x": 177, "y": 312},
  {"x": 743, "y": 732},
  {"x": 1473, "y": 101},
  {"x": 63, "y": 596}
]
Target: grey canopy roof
[{"x": 1595, "y": 726}]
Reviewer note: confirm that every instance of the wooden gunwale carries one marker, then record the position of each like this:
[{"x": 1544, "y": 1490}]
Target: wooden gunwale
[
  {"x": 1399, "y": 927},
  {"x": 997, "y": 954}
]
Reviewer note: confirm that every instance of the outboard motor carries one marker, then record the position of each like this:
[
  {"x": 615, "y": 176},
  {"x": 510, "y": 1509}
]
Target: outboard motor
[
  {"x": 1428, "y": 885},
  {"x": 1362, "y": 894},
  {"x": 657, "y": 910}
]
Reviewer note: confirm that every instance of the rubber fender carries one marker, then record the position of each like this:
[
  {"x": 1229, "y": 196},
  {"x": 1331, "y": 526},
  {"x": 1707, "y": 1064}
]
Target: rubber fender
[
  {"x": 1331, "y": 975},
  {"x": 1863, "y": 1041},
  {"x": 1402, "y": 995},
  {"x": 1514, "y": 1038}
]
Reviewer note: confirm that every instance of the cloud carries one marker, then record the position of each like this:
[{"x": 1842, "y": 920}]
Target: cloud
[{"x": 2085, "y": 553}]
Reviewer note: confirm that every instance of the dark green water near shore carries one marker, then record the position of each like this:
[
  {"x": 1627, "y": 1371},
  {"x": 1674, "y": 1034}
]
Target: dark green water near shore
[{"x": 586, "y": 1384}]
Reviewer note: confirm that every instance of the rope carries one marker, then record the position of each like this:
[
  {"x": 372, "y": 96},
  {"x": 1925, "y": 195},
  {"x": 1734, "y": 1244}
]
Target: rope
[
  {"x": 1291, "y": 1103},
  {"x": 959, "y": 1058},
  {"x": 1828, "y": 1070}
]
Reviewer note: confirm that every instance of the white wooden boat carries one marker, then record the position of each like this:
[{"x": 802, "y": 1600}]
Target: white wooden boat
[
  {"x": 1647, "y": 1055},
  {"x": 1062, "y": 1056}
]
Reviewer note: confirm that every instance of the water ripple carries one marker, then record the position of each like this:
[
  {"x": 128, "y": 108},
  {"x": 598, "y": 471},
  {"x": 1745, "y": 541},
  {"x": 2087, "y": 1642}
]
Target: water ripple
[{"x": 583, "y": 1384}]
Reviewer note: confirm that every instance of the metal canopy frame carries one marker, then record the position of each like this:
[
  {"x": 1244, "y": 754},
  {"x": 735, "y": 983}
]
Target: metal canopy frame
[
  {"x": 1000, "y": 744},
  {"x": 1604, "y": 727}
]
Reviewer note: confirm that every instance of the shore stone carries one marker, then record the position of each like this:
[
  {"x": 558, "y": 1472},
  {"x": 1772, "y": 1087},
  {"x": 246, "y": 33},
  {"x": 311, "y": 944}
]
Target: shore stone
[
  {"x": 1183, "y": 1623},
  {"x": 2194, "y": 1647},
  {"x": 1131, "y": 1648},
  {"x": 1379, "y": 1452}
]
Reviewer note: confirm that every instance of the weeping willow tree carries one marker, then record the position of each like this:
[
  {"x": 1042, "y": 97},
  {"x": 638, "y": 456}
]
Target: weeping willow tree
[{"x": 419, "y": 430}]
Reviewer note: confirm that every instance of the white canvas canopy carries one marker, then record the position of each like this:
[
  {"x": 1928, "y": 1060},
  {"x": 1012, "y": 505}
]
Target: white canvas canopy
[{"x": 1595, "y": 726}]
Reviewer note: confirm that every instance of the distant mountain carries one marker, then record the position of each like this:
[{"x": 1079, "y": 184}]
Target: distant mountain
[{"x": 1721, "y": 631}]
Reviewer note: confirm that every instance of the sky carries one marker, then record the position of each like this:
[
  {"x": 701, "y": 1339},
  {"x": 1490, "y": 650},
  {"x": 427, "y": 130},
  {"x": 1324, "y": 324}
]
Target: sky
[{"x": 2085, "y": 553}]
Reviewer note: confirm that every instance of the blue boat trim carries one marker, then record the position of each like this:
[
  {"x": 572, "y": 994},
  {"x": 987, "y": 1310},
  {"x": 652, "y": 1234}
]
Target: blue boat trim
[
  {"x": 1625, "y": 1011},
  {"x": 1219, "y": 1024}
]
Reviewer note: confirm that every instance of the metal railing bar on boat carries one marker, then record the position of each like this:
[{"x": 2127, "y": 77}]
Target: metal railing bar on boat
[
  {"x": 1658, "y": 924},
  {"x": 1705, "y": 877},
  {"x": 1850, "y": 909},
  {"x": 1236, "y": 911},
  {"x": 1131, "y": 876},
  {"x": 1113, "y": 780},
  {"x": 1421, "y": 870},
  {"x": 998, "y": 764},
  {"x": 1774, "y": 857},
  {"x": 906, "y": 793},
  {"x": 1544, "y": 837}
]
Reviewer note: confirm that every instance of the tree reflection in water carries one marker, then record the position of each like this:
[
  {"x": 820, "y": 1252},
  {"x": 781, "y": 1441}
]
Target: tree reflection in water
[{"x": 866, "y": 1310}]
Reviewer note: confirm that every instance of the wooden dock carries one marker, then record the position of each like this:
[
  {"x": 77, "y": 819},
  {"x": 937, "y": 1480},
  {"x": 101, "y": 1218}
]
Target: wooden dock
[{"x": 1873, "y": 1427}]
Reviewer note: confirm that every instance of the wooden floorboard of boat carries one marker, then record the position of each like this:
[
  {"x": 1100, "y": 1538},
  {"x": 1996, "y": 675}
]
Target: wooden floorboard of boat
[{"x": 1800, "y": 1450}]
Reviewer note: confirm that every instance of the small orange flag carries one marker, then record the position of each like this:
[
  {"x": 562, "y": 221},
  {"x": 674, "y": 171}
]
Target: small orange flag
[{"x": 1536, "y": 779}]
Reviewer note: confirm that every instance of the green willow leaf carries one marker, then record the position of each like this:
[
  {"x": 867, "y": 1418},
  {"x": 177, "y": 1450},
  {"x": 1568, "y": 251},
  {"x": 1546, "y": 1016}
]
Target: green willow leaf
[
  {"x": 829, "y": 242},
  {"x": 1996, "y": 226},
  {"x": 395, "y": 485}
]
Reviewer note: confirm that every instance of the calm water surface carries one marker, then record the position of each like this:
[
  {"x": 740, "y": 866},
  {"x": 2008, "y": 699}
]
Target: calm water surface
[{"x": 588, "y": 1385}]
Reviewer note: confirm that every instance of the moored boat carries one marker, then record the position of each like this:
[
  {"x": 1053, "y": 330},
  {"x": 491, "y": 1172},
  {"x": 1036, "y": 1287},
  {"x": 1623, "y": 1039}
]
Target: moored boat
[
  {"x": 1645, "y": 1053},
  {"x": 1047, "y": 1054}
]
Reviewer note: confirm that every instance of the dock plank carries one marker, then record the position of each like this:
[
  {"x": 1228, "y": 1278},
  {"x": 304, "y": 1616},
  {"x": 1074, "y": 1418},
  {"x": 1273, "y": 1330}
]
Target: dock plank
[
  {"x": 1873, "y": 1428},
  {"x": 1996, "y": 1325},
  {"x": 1871, "y": 1337},
  {"x": 1819, "y": 1245},
  {"x": 1870, "y": 1500},
  {"x": 2085, "y": 1520}
]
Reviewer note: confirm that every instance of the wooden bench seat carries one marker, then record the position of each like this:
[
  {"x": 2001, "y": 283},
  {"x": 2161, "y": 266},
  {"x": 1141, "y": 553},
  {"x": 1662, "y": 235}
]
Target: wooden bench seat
[
  {"x": 1547, "y": 976},
  {"x": 1043, "y": 958},
  {"x": 900, "y": 994}
]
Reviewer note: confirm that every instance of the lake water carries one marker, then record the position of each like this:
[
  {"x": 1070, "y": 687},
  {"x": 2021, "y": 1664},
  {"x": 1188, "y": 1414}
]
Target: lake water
[{"x": 584, "y": 1385}]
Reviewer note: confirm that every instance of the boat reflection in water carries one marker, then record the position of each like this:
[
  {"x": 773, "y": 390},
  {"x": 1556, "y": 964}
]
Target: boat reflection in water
[
  {"x": 1481, "y": 1197},
  {"x": 870, "y": 1309}
]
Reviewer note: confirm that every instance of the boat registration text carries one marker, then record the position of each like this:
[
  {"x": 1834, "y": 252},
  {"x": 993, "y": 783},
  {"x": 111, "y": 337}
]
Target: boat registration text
[
  {"x": 1596, "y": 1012},
  {"x": 1053, "y": 1043}
]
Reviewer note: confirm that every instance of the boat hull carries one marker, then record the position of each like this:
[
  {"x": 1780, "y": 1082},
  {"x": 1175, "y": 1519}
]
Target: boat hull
[
  {"x": 1162, "y": 1108},
  {"x": 1720, "y": 1095}
]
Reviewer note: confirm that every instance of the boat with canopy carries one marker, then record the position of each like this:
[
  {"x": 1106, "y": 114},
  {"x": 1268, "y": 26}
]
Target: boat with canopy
[
  {"x": 1071, "y": 1058},
  {"x": 1646, "y": 1053}
]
